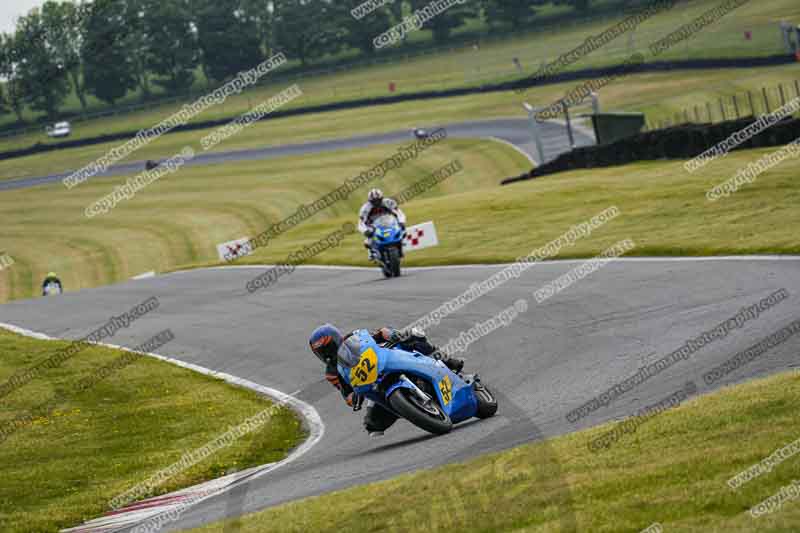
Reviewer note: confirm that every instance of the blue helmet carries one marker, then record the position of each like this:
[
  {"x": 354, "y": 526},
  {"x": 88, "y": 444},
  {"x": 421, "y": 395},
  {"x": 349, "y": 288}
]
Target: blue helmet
[{"x": 325, "y": 342}]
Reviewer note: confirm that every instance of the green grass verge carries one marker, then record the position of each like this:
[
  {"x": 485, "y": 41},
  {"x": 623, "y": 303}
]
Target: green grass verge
[
  {"x": 658, "y": 95},
  {"x": 180, "y": 219},
  {"x": 672, "y": 471},
  {"x": 177, "y": 222},
  {"x": 68, "y": 464},
  {"x": 492, "y": 63},
  {"x": 664, "y": 211}
]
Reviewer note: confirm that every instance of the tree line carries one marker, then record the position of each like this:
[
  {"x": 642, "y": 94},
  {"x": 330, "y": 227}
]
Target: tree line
[{"x": 107, "y": 48}]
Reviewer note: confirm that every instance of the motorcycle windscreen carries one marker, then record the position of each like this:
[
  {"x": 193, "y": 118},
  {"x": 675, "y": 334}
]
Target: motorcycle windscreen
[{"x": 385, "y": 221}]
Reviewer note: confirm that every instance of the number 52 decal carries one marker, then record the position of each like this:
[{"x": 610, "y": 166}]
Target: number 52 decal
[
  {"x": 366, "y": 371},
  {"x": 446, "y": 387}
]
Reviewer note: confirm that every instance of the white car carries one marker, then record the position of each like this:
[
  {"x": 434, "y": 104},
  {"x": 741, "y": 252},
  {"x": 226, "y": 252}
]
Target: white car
[
  {"x": 420, "y": 133},
  {"x": 59, "y": 129}
]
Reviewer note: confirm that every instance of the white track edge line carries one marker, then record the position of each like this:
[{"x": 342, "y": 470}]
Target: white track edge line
[
  {"x": 528, "y": 156},
  {"x": 309, "y": 414},
  {"x": 554, "y": 262}
]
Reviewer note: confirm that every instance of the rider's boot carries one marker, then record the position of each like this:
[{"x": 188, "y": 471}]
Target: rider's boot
[
  {"x": 454, "y": 364},
  {"x": 372, "y": 254}
]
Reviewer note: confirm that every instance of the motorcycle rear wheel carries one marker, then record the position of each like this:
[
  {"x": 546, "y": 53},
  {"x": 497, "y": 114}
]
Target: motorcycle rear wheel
[{"x": 429, "y": 417}]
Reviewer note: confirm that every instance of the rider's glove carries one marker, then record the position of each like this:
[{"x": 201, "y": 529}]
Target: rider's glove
[
  {"x": 402, "y": 226},
  {"x": 369, "y": 232},
  {"x": 333, "y": 379},
  {"x": 355, "y": 401},
  {"x": 399, "y": 335}
]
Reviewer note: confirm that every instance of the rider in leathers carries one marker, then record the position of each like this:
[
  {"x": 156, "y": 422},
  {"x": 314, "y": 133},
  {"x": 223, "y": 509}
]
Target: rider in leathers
[
  {"x": 376, "y": 206},
  {"x": 327, "y": 341}
]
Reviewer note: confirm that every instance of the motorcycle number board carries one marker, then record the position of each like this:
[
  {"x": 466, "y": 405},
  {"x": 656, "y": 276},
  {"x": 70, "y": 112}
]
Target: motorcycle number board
[
  {"x": 366, "y": 371},
  {"x": 420, "y": 237},
  {"x": 446, "y": 388}
]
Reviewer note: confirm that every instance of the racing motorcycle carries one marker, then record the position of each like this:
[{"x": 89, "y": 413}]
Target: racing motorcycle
[
  {"x": 387, "y": 241},
  {"x": 418, "y": 388}
]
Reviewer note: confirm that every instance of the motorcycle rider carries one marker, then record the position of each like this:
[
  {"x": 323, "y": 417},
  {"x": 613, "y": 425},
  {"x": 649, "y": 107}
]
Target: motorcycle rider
[
  {"x": 376, "y": 206},
  {"x": 51, "y": 283},
  {"x": 330, "y": 346}
]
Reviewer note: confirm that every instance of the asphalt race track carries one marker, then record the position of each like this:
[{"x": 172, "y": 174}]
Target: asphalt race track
[
  {"x": 515, "y": 131},
  {"x": 550, "y": 360}
]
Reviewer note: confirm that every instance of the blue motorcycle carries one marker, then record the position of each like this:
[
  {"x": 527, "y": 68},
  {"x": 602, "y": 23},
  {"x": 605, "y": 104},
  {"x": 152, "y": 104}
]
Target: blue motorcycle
[
  {"x": 387, "y": 242},
  {"x": 413, "y": 386}
]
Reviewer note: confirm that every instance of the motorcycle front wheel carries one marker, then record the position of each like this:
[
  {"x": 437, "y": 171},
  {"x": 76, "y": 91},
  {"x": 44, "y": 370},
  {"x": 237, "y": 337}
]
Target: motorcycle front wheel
[
  {"x": 394, "y": 261},
  {"x": 426, "y": 415}
]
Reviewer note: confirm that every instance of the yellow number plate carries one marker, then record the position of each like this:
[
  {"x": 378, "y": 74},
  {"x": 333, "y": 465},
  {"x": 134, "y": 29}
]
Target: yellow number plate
[
  {"x": 366, "y": 371},
  {"x": 447, "y": 389}
]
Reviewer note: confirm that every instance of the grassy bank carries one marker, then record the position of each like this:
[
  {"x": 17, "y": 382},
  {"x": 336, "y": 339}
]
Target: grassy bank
[
  {"x": 72, "y": 459},
  {"x": 664, "y": 211},
  {"x": 672, "y": 471},
  {"x": 180, "y": 219},
  {"x": 177, "y": 222},
  {"x": 658, "y": 95},
  {"x": 493, "y": 62}
]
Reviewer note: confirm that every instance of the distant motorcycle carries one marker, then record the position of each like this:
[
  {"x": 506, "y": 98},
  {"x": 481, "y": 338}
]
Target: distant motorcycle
[
  {"x": 387, "y": 241},
  {"x": 420, "y": 133},
  {"x": 52, "y": 289},
  {"x": 415, "y": 387}
]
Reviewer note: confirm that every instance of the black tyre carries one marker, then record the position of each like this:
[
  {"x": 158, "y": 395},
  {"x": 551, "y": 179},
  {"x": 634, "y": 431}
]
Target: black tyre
[
  {"x": 394, "y": 261},
  {"x": 386, "y": 266},
  {"x": 487, "y": 403},
  {"x": 428, "y": 416}
]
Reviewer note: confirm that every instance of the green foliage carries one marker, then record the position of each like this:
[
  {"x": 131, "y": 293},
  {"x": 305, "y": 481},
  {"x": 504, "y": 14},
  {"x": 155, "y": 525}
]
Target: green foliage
[
  {"x": 171, "y": 48},
  {"x": 359, "y": 33},
  {"x": 228, "y": 40},
  {"x": 514, "y": 13},
  {"x": 41, "y": 76},
  {"x": 443, "y": 24},
  {"x": 64, "y": 29},
  {"x": 109, "y": 69},
  {"x": 306, "y": 29}
]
